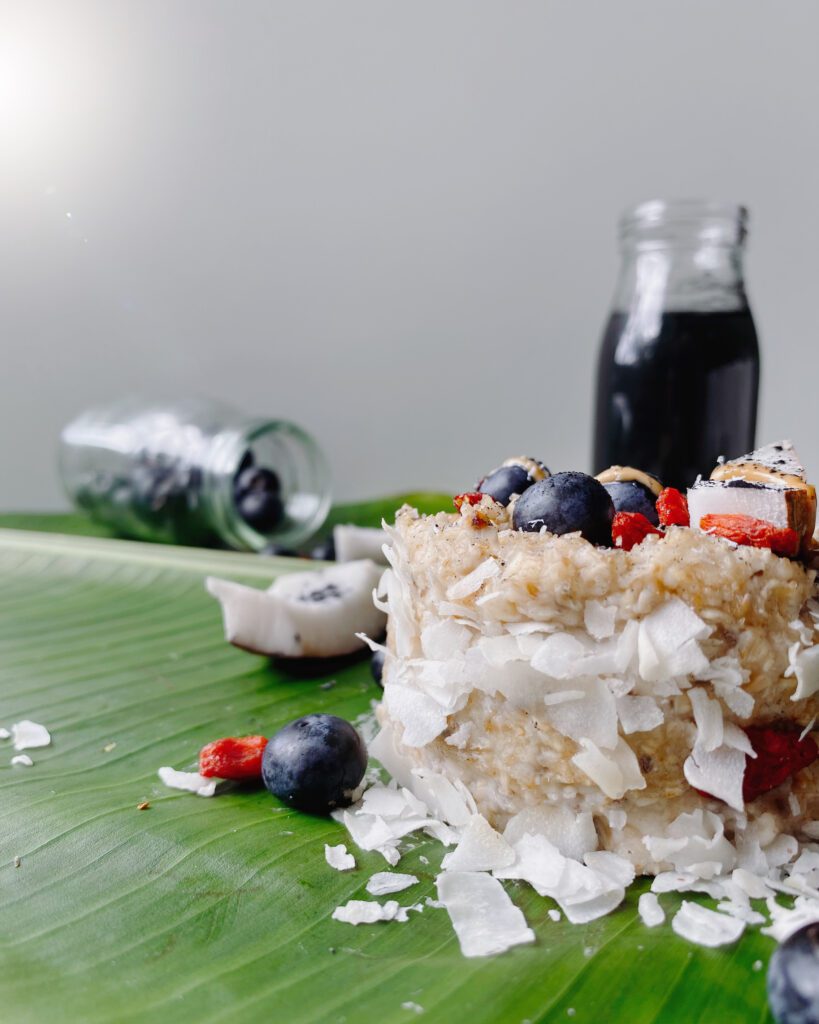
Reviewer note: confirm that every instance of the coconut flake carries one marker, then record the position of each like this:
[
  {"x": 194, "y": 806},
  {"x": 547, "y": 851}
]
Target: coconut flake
[
  {"x": 369, "y": 912},
  {"x": 571, "y": 833},
  {"x": 599, "y": 619},
  {"x": 481, "y": 849},
  {"x": 22, "y": 759},
  {"x": 717, "y": 772},
  {"x": 482, "y": 914},
  {"x": 708, "y": 718},
  {"x": 616, "y": 773},
  {"x": 474, "y": 580},
  {"x": 667, "y": 643},
  {"x": 706, "y": 927},
  {"x": 28, "y": 735},
  {"x": 555, "y": 915},
  {"x": 694, "y": 844},
  {"x": 354, "y": 542},
  {"x": 4, "y": 734},
  {"x": 593, "y": 717},
  {"x": 785, "y": 921},
  {"x": 190, "y": 782},
  {"x": 805, "y": 666},
  {"x": 649, "y": 909},
  {"x": 422, "y": 717},
  {"x": 338, "y": 858},
  {"x": 385, "y": 882},
  {"x": 638, "y": 714}
]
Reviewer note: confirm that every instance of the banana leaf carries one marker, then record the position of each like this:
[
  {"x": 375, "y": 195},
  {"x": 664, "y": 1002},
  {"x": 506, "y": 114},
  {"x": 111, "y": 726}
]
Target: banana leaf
[{"x": 219, "y": 910}]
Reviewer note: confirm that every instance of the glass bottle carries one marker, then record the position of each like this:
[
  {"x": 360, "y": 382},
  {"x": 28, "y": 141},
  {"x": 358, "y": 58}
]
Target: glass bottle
[
  {"x": 182, "y": 472},
  {"x": 678, "y": 373}
]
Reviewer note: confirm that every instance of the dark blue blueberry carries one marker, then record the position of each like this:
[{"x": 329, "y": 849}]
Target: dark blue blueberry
[
  {"x": 325, "y": 550},
  {"x": 261, "y": 510},
  {"x": 256, "y": 480},
  {"x": 793, "y": 978},
  {"x": 315, "y": 763},
  {"x": 567, "y": 503},
  {"x": 377, "y": 666},
  {"x": 505, "y": 481},
  {"x": 629, "y": 496}
]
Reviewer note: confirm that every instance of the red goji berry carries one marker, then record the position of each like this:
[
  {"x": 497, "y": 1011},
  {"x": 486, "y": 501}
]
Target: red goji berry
[
  {"x": 238, "y": 758},
  {"x": 630, "y": 528},
  {"x": 672, "y": 508},
  {"x": 467, "y": 498},
  {"x": 779, "y": 754},
  {"x": 755, "y": 533}
]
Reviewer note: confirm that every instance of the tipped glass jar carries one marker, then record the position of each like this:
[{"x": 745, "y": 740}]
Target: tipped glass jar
[{"x": 195, "y": 472}]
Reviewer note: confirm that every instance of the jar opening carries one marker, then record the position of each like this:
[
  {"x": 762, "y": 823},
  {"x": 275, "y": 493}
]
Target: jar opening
[{"x": 661, "y": 223}]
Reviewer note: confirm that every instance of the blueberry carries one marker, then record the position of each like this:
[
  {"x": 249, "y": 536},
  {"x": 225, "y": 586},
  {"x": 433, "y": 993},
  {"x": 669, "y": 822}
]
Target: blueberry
[
  {"x": 377, "y": 666},
  {"x": 793, "y": 978},
  {"x": 567, "y": 503},
  {"x": 315, "y": 763},
  {"x": 261, "y": 510},
  {"x": 325, "y": 550},
  {"x": 257, "y": 480},
  {"x": 512, "y": 478},
  {"x": 629, "y": 496}
]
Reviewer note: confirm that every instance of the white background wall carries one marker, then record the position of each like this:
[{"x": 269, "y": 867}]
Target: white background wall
[{"x": 391, "y": 222}]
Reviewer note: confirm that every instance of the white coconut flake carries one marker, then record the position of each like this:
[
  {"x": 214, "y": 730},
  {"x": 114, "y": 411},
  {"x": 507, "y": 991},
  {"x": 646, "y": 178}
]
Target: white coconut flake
[
  {"x": 22, "y": 759},
  {"x": 4, "y": 734},
  {"x": 708, "y": 719},
  {"x": 717, "y": 772},
  {"x": 615, "y": 773},
  {"x": 338, "y": 858},
  {"x": 593, "y": 717},
  {"x": 706, "y": 927},
  {"x": 481, "y": 849},
  {"x": 785, "y": 921},
  {"x": 485, "y": 919},
  {"x": 808, "y": 728},
  {"x": 805, "y": 666},
  {"x": 599, "y": 619},
  {"x": 369, "y": 912},
  {"x": 412, "y": 1007},
  {"x": 638, "y": 714},
  {"x": 385, "y": 882},
  {"x": 649, "y": 909},
  {"x": 555, "y": 915},
  {"x": 474, "y": 580},
  {"x": 572, "y": 833},
  {"x": 190, "y": 782},
  {"x": 28, "y": 735}
]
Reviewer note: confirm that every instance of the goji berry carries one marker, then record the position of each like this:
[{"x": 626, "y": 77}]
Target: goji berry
[
  {"x": 238, "y": 758},
  {"x": 755, "y": 533},
  {"x": 779, "y": 754},
  {"x": 630, "y": 528},
  {"x": 672, "y": 508},
  {"x": 467, "y": 498}
]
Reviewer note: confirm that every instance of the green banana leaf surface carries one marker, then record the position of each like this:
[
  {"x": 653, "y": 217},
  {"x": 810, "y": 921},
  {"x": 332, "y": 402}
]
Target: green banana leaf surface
[{"x": 219, "y": 910}]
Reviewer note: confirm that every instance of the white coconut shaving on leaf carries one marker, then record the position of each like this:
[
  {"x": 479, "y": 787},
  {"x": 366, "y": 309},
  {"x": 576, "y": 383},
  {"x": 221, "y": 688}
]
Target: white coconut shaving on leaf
[
  {"x": 22, "y": 759},
  {"x": 383, "y": 883},
  {"x": 338, "y": 858},
  {"x": 28, "y": 735},
  {"x": 4, "y": 734},
  {"x": 649, "y": 909},
  {"x": 485, "y": 919},
  {"x": 190, "y": 782},
  {"x": 370, "y": 912},
  {"x": 706, "y": 927},
  {"x": 481, "y": 849},
  {"x": 787, "y": 920}
]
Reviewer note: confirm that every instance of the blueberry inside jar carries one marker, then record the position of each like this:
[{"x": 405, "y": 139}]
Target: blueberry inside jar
[{"x": 195, "y": 473}]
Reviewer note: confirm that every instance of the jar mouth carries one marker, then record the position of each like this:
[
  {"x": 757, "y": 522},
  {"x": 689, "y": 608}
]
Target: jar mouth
[{"x": 657, "y": 223}]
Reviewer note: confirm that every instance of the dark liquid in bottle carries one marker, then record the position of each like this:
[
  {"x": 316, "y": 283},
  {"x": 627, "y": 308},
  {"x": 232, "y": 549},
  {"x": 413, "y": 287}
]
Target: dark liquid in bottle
[{"x": 671, "y": 400}]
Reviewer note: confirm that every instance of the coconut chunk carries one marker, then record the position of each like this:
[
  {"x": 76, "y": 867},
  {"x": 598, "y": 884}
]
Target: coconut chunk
[
  {"x": 482, "y": 914},
  {"x": 190, "y": 782},
  {"x": 649, "y": 909},
  {"x": 706, "y": 927},
  {"x": 385, "y": 882},
  {"x": 369, "y": 912},
  {"x": 303, "y": 614},
  {"x": 481, "y": 849},
  {"x": 27, "y": 735},
  {"x": 338, "y": 858},
  {"x": 355, "y": 542}
]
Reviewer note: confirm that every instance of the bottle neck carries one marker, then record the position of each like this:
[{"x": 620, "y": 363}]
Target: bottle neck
[{"x": 682, "y": 278}]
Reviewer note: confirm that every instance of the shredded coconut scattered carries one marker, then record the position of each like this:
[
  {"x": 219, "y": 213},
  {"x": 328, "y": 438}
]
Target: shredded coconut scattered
[
  {"x": 191, "y": 782},
  {"x": 28, "y": 734},
  {"x": 485, "y": 919},
  {"x": 385, "y": 882},
  {"x": 369, "y": 912},
  {"x": 649, "y": 909},
  {"x": 22, "y": 759},
  {"x": 338, "y": 858}
]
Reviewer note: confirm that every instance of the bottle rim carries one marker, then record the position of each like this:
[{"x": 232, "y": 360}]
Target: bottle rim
[{"x": 658, "y": 222}]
